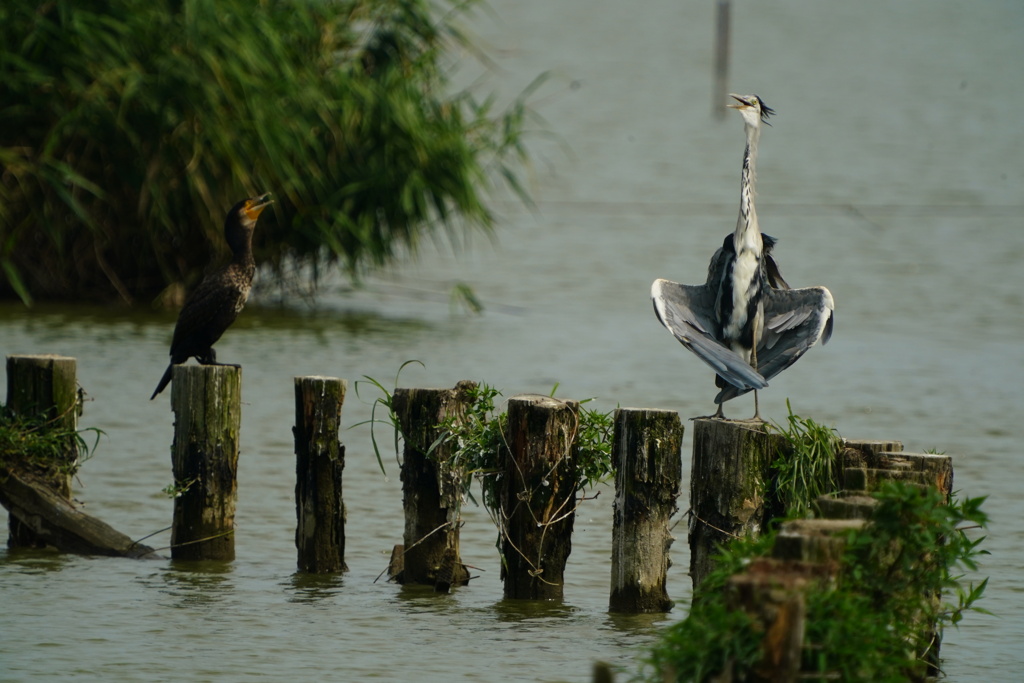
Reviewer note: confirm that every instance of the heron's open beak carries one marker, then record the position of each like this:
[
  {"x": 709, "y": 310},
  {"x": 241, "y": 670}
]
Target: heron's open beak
[
  {"x": 742, "y": 102},
  {"x": 256, "y": 205}
]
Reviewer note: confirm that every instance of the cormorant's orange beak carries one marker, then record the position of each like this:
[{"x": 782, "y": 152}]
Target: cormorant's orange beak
[{"x": 254, "y": 207}]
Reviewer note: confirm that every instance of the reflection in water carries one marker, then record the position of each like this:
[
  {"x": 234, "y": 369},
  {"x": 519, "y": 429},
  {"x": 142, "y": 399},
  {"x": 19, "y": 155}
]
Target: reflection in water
[
  {"x": 198, "y": 583},
  {"x": 33, "y": 560},
  {"x": 522, "y": 611},
  {"x": 417, "y": 599},
  {"x": 313, "y": 588},
  {"x": 638, "y": 624}
]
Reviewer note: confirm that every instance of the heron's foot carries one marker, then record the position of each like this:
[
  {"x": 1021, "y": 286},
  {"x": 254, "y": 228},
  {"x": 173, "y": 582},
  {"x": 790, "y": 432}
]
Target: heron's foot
[{"x": 719, "y": 415}]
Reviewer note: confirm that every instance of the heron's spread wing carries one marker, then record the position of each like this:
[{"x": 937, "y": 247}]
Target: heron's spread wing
[
  {"x": 794, "y": 321},
  {"x": 688, "y": 313}
]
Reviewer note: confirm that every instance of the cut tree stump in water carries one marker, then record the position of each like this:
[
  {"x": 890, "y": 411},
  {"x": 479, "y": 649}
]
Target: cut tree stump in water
[
  {"x": 432, "y": 487},
  {"x": 44, "y": 387},
  {"x": 537, "y": 495},
  {"x": 206, "y": 400},
  {"x": 646, "y": 452},
  {"x": 319, "y": 462},
  {"x": 730, "y": 486}
]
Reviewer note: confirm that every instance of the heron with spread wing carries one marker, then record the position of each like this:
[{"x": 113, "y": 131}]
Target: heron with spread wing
[{"x": 744, "y": 321}]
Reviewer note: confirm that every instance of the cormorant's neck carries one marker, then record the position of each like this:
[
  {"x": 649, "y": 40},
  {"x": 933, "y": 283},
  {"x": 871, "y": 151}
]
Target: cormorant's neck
[{"x": 239, "y": 239}]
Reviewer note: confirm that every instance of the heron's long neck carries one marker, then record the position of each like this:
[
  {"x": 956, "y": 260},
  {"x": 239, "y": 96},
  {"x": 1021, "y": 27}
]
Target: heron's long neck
[{"x": 748, "y": 233}]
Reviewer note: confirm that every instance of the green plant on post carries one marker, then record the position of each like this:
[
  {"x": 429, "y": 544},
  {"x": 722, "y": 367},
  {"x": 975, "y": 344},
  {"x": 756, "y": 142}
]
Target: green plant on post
[
  {"x": 480, "y": 431},
  {"x": 807, "y": 468},
  {"x": 37, "y": 446},
  {"x": 384, "y": 402},
  {"x": 900, "y": 583}
]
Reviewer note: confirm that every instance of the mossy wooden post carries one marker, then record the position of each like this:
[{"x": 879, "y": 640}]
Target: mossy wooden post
[
  {"x": 537, "y": 495},
  {"x": 730, "y": 486},
  {"x": 319, "y": 462},
  {"x": 44, "y": 387},
  {"x": 206, "y": 400},
  {"x": 431, "y": 487},
  {"x": 646, "y": 451}
]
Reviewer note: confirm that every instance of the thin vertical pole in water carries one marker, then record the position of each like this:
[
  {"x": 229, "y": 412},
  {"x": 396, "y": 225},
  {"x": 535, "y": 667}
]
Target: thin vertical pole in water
[
  {"x": 720, "y": 90},
  {"x": 319, "y": 462},
  {"x": 537, "y": 495},
  {"x": 646, "y": 451},
  {"x": 431, "y": 488},
  {"x": 206, "y": 400},
  {"x": 44, "y": 387}
]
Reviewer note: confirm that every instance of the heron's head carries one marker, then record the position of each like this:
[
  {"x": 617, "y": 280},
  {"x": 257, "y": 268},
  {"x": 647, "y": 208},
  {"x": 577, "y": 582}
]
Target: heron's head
[
  {"x": 754, "y": 110},
  {"x": 248, "y": 210}
]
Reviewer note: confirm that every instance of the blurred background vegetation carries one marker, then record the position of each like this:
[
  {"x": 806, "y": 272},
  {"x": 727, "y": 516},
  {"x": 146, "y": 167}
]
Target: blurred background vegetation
[{"x": 129, "y": 127}]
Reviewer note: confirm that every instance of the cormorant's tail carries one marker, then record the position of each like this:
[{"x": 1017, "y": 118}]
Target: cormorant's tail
[{"x": 164, "y": 381}]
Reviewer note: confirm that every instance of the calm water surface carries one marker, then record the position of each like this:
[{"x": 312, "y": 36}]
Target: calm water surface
[{"x": 891, "y": 175}]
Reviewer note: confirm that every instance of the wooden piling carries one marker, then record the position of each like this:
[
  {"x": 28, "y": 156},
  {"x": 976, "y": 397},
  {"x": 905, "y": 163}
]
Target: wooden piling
[
  {"x": 537, "y": 495},
  {"x": 44, "y": 387},
  {"x": 646, "y": 450},
  {"x": 206, "y": 402},
  {"x": 720, "y": 89},
  {"x": 730, "y": 486},
  {"x": 432, "y": 487},
  {"x": 319, "y": 462}
]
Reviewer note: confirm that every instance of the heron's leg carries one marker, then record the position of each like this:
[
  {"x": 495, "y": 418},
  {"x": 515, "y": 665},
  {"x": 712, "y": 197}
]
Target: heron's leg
[
  {"x": 719, "y": 414},
  {"x": 753, "y": 364}
]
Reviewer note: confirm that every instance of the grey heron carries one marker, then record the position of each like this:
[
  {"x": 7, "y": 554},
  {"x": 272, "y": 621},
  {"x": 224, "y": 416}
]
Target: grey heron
[{"x": 745, "y": 312}]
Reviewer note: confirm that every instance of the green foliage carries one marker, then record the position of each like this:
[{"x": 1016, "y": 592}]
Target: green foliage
[
  {"x": 899, "y": 572},
  {"x": 713, "y": 637},
  {"x": 902, "y": 571},
  {"x": 479, "y": 434},
  {"x": 129, "y": 127},
  {"x": 42, "y": 447},
  {"x": 384, "y": 402},
  {"x": 178, "y": 489},
  {"x": 807, "y": 469}
]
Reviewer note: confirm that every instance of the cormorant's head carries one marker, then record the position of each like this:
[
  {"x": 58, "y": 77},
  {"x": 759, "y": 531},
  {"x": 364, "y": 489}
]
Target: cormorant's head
[
  {"x": 248, "y": 210},
  {"x": 754, "y": 110}
]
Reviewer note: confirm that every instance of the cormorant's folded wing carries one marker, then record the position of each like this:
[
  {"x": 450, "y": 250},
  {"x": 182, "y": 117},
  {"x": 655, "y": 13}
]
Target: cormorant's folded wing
[{"x": 688, "y": 313}]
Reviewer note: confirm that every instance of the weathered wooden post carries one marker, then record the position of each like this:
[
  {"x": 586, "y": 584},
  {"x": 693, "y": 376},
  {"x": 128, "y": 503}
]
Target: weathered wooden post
[
  {"x": 720, "y": 90},
  {"x": 432, "y": 487},
  {"x": 646, "y": 451},
  {"x": 537, "y": 495},
  {"x": 319, "y": 462},
  {"x": 730, "y": 487},
  {"x": 206, "y": 400},
  {"x": 44, "y": 387}
]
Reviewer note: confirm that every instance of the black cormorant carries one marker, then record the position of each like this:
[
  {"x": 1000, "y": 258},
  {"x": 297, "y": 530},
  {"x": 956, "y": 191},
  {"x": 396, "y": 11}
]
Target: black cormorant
[{"x": 216, "y": 302}]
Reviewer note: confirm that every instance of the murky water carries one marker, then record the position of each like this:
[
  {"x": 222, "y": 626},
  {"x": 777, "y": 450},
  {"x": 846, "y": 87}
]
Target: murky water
[{"x": 892, "y": 175}]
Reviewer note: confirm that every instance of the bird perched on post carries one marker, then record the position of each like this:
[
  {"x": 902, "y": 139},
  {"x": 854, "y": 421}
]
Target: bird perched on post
[
  {"x": 211, "y": 308},
  {"x": 745, "y": 309}
]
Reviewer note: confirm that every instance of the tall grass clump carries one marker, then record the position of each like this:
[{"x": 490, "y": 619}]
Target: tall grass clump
[{"x": 129, "y": 127}]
